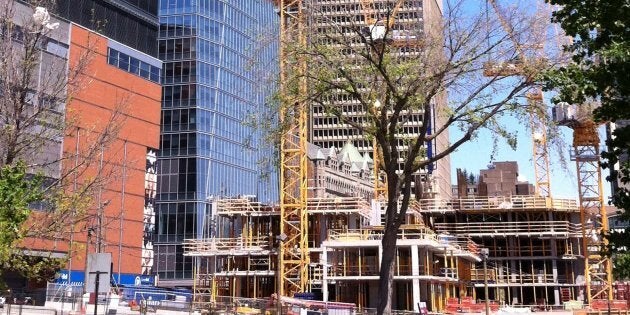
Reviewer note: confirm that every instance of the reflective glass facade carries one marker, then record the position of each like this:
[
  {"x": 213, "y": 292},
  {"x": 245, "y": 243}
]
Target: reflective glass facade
[{"x": 212, "y": 51}]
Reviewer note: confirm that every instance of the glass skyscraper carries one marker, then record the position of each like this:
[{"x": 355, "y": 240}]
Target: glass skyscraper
[{"x": 217, "y": 65}]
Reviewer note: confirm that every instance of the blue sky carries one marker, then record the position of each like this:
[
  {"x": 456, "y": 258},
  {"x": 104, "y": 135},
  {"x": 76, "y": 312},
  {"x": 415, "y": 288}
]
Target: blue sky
[{"x": 475, "y": 155}]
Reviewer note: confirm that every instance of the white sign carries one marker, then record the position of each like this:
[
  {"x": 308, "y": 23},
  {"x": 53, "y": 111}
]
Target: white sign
[{"x": 100, "y": 263}]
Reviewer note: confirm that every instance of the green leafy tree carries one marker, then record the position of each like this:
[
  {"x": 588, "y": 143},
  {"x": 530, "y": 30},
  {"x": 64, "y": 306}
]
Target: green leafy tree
[
  {"x": 18, "y": 191},
  {"x": 598, "y": 72}
]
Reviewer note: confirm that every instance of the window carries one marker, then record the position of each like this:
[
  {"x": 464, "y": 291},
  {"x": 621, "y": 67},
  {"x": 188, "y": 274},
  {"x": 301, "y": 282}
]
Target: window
[{"x": 133, "y": 65}]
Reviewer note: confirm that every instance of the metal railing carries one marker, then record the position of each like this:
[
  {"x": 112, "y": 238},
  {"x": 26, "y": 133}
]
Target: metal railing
[
  {"x": 226, "y": 246},
  {"x": 377, "y": 234},
  {"x": 514, "y": 203},
  {"x": 526, "y": 228}
]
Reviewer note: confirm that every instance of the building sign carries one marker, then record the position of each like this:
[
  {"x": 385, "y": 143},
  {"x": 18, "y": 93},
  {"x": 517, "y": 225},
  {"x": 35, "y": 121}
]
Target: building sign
[{"x": 150, "y": 182}]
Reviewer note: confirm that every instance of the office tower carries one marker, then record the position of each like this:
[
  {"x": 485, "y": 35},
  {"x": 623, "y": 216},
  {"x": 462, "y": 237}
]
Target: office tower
[
  {"x": 212, "y": 52},
  {"x": 117, "y": 80},
  {"x": 411, "y": 20}
]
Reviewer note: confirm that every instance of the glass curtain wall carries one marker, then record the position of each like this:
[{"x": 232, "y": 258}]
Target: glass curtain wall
[{"x": 219, "y": 61}]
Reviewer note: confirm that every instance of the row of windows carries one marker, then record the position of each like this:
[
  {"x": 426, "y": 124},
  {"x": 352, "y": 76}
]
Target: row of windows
[
  {"x": 180, "y": 96},
  {"x": 213, "y": 8},
  {"x": 175, "y": 49},
  {"x": 179, "y": 119},
  {"x": 194, "y": 95},
  {"x": 413, "y": 119},
  {"x": 177, "y": 166},
  {"x": 223, "y": 180},
  {"x": 182, "y": 72},
  {"x": 191, "y": 143},
  {"x": 177, "y": 183},
  {"x": 221, "y": 125},
  {"x": 179, "y": 219},
  {"x": 195, "y": 25},
  {"x": 45, "y": 43},
  {"x": 200, "y": 72},
  {"x": 133, "y": 65},
  {"x": 171, "y": 263},
  {"x": 178, "y": 144}
]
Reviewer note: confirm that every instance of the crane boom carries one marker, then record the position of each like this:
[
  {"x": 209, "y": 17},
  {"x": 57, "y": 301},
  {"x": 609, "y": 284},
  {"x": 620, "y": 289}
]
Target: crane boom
[{"x": 535, "y": 104}]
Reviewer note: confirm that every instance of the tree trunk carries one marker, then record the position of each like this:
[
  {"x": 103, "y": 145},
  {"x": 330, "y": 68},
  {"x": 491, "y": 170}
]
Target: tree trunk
[{"x": 386, "y": 274}]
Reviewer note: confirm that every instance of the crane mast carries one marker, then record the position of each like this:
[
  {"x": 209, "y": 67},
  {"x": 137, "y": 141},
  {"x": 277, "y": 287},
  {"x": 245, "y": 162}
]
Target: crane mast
[
  {"x": 593, "y": 216},
  {"x": 293, "y": 258}
]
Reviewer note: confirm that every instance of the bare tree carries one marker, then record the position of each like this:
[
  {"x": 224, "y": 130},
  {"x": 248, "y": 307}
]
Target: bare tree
[
  {"x": 449, "y": 65},
  {"x": 37, "y": 82}
]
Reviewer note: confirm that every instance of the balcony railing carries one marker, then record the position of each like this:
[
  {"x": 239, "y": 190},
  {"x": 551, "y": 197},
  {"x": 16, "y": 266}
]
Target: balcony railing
[
  {"x": 226, "y": 246},
  {"x": 512, "y": 203},
  {"x": 526, "y": 228}
]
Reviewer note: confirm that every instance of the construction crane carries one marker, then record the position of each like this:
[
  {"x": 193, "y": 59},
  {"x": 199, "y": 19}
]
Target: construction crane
[
  {"x": 293, "y": 257},
  {"x": 593, "y": 216},
  {"x": 523, "y": 66}
]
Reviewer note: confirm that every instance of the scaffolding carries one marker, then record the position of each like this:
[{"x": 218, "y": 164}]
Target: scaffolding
[
  {"x": 239, "y": 258},
  {"x": 534, "y": 242}
]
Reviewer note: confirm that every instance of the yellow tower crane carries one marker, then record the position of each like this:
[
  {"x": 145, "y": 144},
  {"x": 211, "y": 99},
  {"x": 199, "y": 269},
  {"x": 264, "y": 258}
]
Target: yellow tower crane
[
  {"x": 593, "y": 216},
  {"x": 527, "y": 67},
  {"x": 293, "y": 256}
]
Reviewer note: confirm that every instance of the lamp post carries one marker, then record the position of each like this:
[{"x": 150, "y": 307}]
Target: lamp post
[
  {"x": 484, "y": 256},
  {"x": 99, "y": 226},
  {"x": 280, "y": 239}
]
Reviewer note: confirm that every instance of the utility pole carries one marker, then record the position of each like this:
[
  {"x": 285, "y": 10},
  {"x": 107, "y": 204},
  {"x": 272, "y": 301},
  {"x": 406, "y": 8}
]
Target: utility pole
[
  {"x": 88, "y": 236},
  {"x": 484, "y": 256}
]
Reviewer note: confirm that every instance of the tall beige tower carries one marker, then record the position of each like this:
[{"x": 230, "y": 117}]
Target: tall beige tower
[{"x": 411, "y": 20}]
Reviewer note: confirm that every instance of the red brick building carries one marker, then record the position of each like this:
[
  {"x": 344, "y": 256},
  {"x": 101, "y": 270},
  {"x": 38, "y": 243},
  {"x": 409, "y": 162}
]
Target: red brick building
[{"x": 118, "y": 94}]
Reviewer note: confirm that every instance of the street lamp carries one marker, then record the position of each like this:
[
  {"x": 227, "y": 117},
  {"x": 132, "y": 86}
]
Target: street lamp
[
  {"x": 484, "y": 256},
  {"x": 280, "y": 238},
  {"x": 99, "y": 226}
]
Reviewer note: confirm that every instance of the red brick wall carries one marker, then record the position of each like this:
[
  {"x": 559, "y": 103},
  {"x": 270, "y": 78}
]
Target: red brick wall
[{"x": 105, "y": 89}]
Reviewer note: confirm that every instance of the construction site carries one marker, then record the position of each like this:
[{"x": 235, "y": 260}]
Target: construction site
[{"x": 476, "y": 245}]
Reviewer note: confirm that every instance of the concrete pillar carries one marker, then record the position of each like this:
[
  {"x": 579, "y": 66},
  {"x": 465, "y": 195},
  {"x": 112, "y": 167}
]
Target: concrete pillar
[
  {"x": 325, "y": 264},
  {"x": 513, "y": 266},
  {"x": 415, "y": 271},
  {"x": 554, "y": 266}
]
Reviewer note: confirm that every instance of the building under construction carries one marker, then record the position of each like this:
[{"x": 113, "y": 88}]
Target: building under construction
[
  {"x": 534, "y": 242},
  {"x": 329, "y": 243},
  {"x": 535, "y": 252},
  {"x": 238, "y": 255}
]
